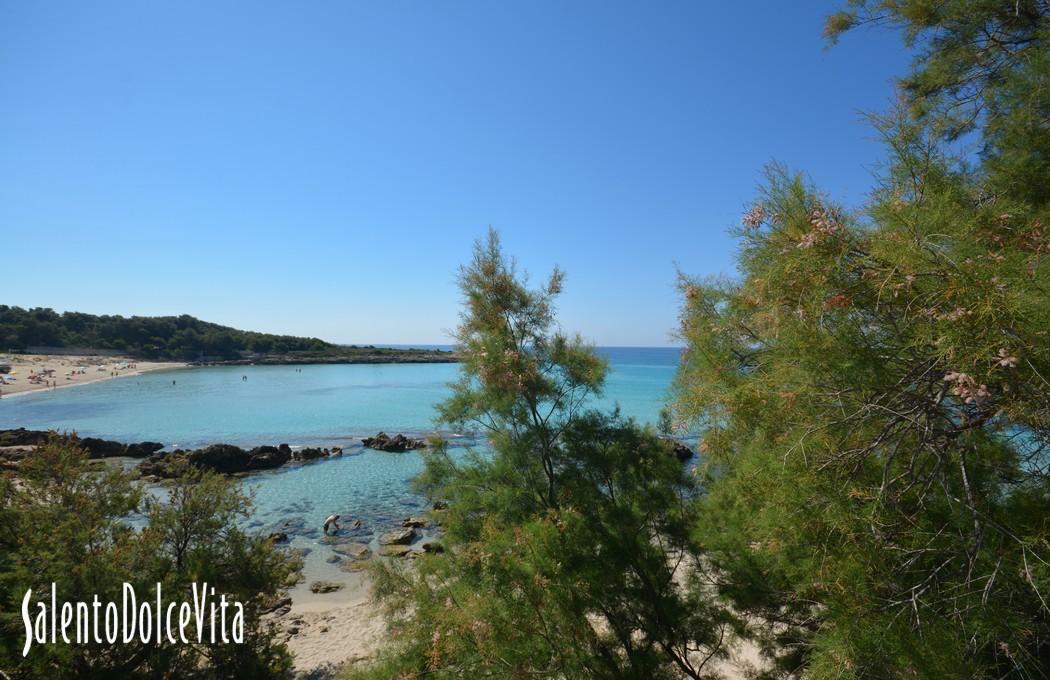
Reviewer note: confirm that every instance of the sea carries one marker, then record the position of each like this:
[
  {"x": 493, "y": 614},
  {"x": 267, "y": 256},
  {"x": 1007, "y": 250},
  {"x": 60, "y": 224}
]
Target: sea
[{"x": 312, "y": 405}]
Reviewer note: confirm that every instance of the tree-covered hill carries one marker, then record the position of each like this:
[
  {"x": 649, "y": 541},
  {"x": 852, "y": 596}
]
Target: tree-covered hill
[{"x": 158, "y": 337}]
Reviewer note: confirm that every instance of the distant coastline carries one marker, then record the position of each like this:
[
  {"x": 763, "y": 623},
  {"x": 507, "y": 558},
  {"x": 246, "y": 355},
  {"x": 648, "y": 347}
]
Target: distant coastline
[{"x": 357, "y": 356}]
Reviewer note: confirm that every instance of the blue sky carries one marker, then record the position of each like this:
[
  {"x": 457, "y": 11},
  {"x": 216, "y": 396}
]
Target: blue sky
[{"x": 321, "y": 168}]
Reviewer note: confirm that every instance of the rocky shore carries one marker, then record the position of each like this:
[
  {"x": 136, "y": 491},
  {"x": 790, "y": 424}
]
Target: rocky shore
[{"x": 16, "y": 444}]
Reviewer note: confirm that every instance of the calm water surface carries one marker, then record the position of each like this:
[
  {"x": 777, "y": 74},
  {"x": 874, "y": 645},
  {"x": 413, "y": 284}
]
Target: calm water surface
[{"x": 323, "y": 404}]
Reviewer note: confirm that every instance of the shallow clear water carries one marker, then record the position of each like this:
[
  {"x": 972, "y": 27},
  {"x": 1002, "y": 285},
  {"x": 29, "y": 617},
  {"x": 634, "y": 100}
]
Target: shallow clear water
[{"x": 322, "y": 404}]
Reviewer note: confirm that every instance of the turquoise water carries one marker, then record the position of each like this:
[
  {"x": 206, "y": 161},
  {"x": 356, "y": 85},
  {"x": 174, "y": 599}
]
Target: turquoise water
[
  {"x": 323, "y": 404},
  {"x": 320, "y": 404}
]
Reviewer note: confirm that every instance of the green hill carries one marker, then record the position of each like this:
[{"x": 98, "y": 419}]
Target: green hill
[{"x": 171, "y": 337}]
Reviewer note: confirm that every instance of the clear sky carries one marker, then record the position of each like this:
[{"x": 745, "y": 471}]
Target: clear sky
[{"x": 321, "y": 168}]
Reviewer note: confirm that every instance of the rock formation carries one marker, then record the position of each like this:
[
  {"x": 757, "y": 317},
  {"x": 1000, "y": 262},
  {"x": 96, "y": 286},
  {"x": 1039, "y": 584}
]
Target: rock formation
[{"x": 395, "y": 444}]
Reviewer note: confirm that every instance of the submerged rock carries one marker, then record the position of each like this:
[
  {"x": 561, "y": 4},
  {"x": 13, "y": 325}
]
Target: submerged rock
[
  {"x": 402, "y": 536},
  {"x": 394, "y": 550},
  {"x": 325, "y": 587},
  {"x": 352, "y": 566},
  {"x": 355, "y": 551}
]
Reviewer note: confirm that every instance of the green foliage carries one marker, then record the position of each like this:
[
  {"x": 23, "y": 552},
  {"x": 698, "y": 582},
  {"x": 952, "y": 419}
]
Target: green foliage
[
  {"x": 981, "y": 66},
  {"x": 873, "y": 389},
  {"x": 65, "y": 522},
  {"x": 153, "y": 337},
  {"x": 567, "y": 549}
]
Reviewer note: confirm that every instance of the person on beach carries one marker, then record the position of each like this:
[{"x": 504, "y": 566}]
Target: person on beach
[{"x": 331, "y": 521}]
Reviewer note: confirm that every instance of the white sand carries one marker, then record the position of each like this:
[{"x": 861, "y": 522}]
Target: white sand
[
  {"x": 343, "y": 628},
  {"x": 333, "y": 628},
  {"x": 66, "y": 373}
]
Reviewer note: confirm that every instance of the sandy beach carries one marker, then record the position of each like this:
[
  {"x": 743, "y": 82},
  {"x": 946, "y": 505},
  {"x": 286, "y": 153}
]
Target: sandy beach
[
  {"x": 332, "y": 630},
  {"x": 37, "y": 372},
  {"x": 327, "y": 633}
]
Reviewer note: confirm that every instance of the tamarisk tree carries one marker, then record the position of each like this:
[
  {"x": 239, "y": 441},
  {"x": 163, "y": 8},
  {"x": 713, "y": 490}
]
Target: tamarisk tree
[
  {"x": 874, "y": 387},
  {"x": 566, "y": 539}
]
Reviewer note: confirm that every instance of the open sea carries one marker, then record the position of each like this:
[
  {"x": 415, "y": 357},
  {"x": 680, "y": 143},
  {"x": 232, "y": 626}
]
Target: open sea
[{"x": 326, "y": 405}]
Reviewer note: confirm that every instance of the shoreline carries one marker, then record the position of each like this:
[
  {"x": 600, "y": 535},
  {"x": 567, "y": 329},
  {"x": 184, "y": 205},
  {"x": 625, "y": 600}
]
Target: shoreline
[{"x": 62, "y": 365}]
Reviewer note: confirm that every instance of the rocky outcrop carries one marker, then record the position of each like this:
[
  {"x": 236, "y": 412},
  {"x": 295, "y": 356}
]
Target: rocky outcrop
[
  {"x": 142, "y": 449},
  {"x": 95, "y": 448},
  {"x": 681, "y": 451},
  {"x": 402, "y": 536},
  {"x": 229, "y": 459},
  {"x": 266, "y": 457},
  {"x": 12, "y": 456},
  {"x": 279, "y": 606},
  {"x": 395, "y": 444},
  {"x": 325, "y": 587}
]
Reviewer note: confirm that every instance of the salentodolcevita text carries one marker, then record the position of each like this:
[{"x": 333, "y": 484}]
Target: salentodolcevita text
[{"x": 208, "y": 618}]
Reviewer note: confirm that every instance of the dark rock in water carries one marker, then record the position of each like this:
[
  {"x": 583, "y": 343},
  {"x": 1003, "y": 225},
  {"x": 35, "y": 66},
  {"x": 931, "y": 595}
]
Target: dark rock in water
[
  {"x": 278, "y": 537},
  {"x": 309, "y": 453},
  {"x": 267, "y": 457},
  {"x": 22, "y": 437},
  {"x": 417, "y": 522},
  {"x": 395, "y": 444},
  {"x": 101, "y": 448},
  {"x": 681, "y": 451},
  {"x": 95, "y": 448},
  {"x": 358, "y": 532},
  {"x": 220, "y": 458},
  {"x": 325, "y": 587},
  {"x": 142, "y": 449},
  {"x": 402, "y": 536},
  {"x": 355, "y": 551},
  {"x": 155, "y": 466},
  {"x": 333, "y": 559},
  {"x": 224, "y": 458}
]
